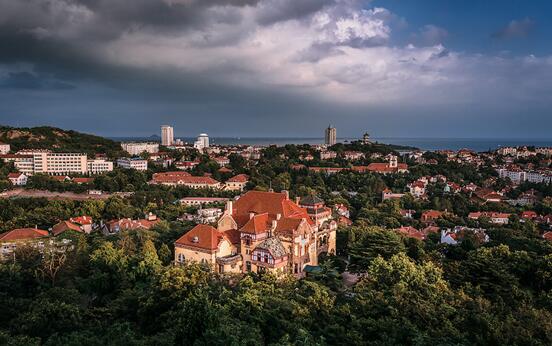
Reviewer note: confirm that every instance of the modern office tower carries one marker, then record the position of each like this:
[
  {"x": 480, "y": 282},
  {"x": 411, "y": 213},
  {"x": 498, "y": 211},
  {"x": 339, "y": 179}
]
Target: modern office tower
[
  {"x": 167, "y": 135},
  {"x": 331, "y": 136}
]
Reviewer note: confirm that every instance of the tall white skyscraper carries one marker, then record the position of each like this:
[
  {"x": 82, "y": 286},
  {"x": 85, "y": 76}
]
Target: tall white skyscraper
[
  {"x": 331, "y": 136},
  {"x": 167, "y": 135}
]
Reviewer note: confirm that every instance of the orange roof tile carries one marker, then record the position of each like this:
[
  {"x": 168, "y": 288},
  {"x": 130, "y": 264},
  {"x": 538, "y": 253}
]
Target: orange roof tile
[
  {"x": 23, "y": 234},
  {"x": 202, "y": 236}
]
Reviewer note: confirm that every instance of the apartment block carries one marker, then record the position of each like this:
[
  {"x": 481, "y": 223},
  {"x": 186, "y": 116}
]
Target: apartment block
[{"x": 135, "y": 148}]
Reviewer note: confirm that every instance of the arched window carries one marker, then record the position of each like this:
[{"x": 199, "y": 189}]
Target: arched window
[{"x": 181, "y": 258}]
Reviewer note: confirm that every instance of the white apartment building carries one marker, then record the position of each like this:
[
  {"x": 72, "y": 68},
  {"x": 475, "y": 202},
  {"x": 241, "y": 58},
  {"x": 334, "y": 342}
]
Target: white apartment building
[
  {"x": 23, "y": 163},
  {"x": 45, "y": 161},
  {"x": 517, "y": 176},
  {"x": 134, "y": 148},
  {"x": 202, "y": 141},
  {"x": 4, "y": 148},
  {"x": 99, "y": 166},
  {"x": 133, "y": 163},
  {"x": 507, "y": 151},
  {"x": 167, "y": 135}
]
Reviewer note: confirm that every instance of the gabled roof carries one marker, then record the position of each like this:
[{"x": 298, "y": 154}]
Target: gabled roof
[
  {"x": 257, "y": 224},
  {"x": 82, "y": 220},
  {"x": 240, "y": 178},
  {"x": 23, "y": 234},
  {"x": 274, "y": 246},
  {"x": 287, "y": 225},
  {"x": 311, "y": 200},
  {"x": 202, "y": 236},
  {"x": 63, "y": 226},
  {"x": 14, "y": 175}
]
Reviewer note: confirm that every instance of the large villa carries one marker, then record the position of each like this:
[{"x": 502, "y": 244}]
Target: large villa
[{"x": 262, "y": 231}]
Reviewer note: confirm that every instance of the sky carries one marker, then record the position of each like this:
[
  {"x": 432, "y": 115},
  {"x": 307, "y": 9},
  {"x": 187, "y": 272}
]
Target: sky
[{"x": 279, "y": 68}]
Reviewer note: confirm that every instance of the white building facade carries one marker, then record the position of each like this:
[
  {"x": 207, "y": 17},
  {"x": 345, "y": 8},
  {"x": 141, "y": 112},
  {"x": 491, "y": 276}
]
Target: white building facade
[
  {"x": 167, "y": 135},
  {"x": 133, "y": 163},
  {"x": 134, "y": 148}
]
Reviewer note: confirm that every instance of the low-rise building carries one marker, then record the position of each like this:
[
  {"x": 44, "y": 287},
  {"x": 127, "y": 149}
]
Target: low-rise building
[
  {"x": 495, "y": 217},
  {"x": 199, "y": 201},
  {"x": 18, "y": 179},
  {"x": 99, "y": 166},
  {"x": 136, "y": 163},
  {"x": 459, "y": 233},
  {"x": 135, "y": 148},
  {"x": 236, "y": 183},
  {"x": 4, "y": 148},
  {"x": 9, "y": 241}
]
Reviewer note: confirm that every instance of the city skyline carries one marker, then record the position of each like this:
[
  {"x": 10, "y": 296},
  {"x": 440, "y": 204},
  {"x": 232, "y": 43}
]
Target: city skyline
[{"x": 251, "y": 68}]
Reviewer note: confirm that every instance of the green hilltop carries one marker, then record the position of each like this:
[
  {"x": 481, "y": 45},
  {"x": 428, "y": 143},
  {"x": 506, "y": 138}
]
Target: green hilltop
[{"x": 59, "y": 140}]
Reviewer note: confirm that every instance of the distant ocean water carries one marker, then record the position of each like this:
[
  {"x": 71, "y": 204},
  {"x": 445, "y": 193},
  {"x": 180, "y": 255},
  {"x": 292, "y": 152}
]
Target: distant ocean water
[{"x": 477, "y": 144}]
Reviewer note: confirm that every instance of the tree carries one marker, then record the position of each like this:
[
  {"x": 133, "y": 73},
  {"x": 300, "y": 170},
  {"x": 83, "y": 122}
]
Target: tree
[{"x": 366, "y": 244}]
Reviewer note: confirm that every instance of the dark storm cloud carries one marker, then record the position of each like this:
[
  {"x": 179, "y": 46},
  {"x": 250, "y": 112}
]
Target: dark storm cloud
[
  {"x": 515, "y": 29},
  {"x": 274, "y": 11}
]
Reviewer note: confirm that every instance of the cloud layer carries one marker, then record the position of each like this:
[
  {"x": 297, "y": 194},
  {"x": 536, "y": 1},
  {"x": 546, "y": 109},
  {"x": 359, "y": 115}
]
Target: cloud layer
[{"x": 298, "y": 57}]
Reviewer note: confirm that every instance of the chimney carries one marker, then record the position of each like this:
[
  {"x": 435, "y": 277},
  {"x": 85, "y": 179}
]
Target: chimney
[
  {"x": 285, "y": 192},
  {"x": 229, "y": 207},
  {"x": 297, "y": 200},
  {"x": 278, "y": 216}
]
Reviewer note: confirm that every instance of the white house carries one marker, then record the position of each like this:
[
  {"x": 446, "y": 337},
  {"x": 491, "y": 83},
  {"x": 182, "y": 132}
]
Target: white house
[{"x": 18, "y": 179}]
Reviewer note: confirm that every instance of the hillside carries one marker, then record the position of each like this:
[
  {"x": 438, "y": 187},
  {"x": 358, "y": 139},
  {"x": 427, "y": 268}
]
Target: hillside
[{"x": 59, "y": 140}]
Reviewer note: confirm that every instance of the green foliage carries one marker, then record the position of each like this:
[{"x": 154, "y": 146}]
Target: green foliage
[{"x": 58, "y": 140}]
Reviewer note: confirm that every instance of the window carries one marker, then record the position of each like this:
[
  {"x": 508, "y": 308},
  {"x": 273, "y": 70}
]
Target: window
[
  {"x": 181, "y": 257},
  {"x": 248, "y": 266}
]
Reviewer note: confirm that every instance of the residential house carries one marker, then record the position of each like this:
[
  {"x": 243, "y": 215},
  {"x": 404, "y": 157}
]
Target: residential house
[
  {"x": 259, "y": 231},
  {"x": 9, "y": 241},
  {"x": 18, "y": 179},
  {"x": 236, "y": 183},
  {"x": 495, "y": 217}
]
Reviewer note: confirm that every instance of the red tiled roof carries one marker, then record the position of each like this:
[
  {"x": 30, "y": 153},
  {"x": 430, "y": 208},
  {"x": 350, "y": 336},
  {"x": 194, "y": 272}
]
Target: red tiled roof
[
  {"x": 129, "y": 224},
  {"x": 203, "y": 237},
  {"x": 14, "y": 175},
  {"x": 240, "y": 178},
  {"x": 23, "y": 234},
  {"x": 233, "y": 236},
  {"x": 82, "y": 220},
  {"x": 169, "y": 177},
  {"x": 380, "y": 167},
  {"x": 343, "y": 220},
  {"x": 257, "y": 224},
  {"x": 431, "y": 214},
  {"x": 270, "y": 203},
  {"x": 411, "y": 232},
  {"x": 65, "y": 226},
  {"x": 83, "y": 180}
]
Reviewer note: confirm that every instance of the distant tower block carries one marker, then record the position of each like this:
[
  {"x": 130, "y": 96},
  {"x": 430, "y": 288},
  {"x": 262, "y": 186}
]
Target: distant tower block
[
  {"x": 366, "y": 138},
  {"x": 202, "y": 141},
  {"x": 331, "y": 136},
  {"x": 167, "y": 135}
]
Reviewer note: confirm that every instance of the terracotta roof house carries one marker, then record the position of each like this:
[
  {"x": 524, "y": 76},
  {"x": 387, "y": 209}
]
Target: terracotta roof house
[
  {"x": 65, "y": 226},
  {"x": 260, "y": 231},
  {"x": 237, "y": 182},
  {"x": 10, "y": 240}
]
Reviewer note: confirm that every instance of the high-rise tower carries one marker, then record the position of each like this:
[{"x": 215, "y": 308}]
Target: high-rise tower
[
  {"x": 167, "y": 135},
  {"x": 331, "y": 136}
]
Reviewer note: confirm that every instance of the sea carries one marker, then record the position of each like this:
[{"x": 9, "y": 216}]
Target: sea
[{"x": 476, "y": 144}]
